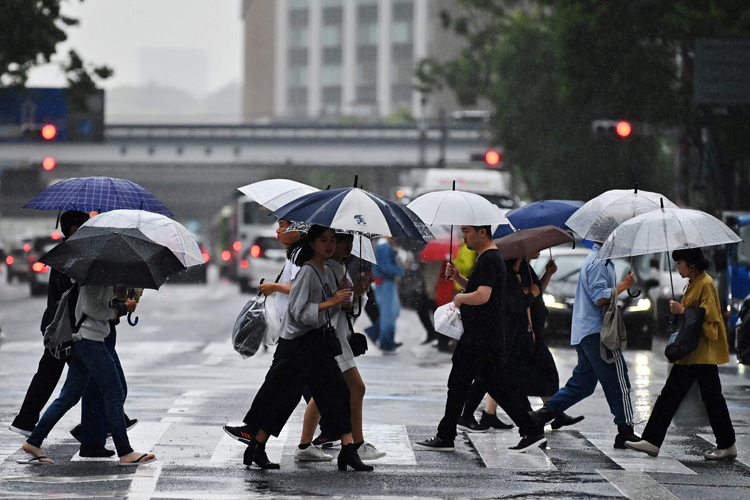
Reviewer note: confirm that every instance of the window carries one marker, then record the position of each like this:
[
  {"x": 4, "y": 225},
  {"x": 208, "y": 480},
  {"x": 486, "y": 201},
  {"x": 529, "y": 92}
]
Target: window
[{"x": 330, "y": 75}]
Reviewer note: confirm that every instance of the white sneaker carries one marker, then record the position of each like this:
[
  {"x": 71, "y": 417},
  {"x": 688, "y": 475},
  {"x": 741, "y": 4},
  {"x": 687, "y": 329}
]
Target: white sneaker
[
  {"x": 311, "y": 454},
  {"x": 368, "y": 452},
  {"x": 725, "y": 454},
  {"x": 643, "y": 446}
]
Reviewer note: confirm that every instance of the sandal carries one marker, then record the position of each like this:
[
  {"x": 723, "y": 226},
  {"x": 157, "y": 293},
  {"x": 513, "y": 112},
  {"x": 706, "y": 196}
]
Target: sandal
[
  {"x": 140, "y": 461},
  {"x": 34, "y": 461}
]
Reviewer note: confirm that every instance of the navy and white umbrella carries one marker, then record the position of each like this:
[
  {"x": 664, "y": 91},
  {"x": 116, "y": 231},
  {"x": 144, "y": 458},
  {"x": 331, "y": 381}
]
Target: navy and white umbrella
[
  {"x": 356, "y": 210},
  {"x": 100, "y": 194}
]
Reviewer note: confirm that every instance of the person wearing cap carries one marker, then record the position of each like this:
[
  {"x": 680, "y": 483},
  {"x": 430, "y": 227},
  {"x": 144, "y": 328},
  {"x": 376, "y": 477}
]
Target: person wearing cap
[{"x": 699, "y": 366}]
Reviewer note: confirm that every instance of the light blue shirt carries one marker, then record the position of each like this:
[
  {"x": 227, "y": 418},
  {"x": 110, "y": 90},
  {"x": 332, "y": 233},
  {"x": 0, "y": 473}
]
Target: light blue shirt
[{"x": 595, "y": 282}]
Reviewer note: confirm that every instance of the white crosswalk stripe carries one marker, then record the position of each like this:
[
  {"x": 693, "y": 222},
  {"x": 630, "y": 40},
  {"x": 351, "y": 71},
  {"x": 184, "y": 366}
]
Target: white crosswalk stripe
[
  {"x": 144, "y": 437},
  {"x": 742, "y": 443},
  {"x": 493, "y": 448},
  {"x": 634, "y": 461}
]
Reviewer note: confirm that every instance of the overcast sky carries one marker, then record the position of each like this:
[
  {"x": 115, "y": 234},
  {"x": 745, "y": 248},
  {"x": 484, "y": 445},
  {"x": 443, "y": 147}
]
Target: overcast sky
[{"x": 120, "y": 33}]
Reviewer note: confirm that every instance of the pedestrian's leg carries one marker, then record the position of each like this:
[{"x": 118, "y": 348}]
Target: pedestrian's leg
[
  {"x": 490, "y": 406},
  {"x": 357, "y": 395},
  {"x": 331, "y": 394},
  {"x": 508, "y": 399},
  {"x": 581, "y": 385},
  {"x": 94, "y": 427},
  {"x": 474, "y": 398},
  {"x": 40, "y": 390},
  {"x": 678, "y": 383},
  {"x": 459, "y": 381},
  {"x": 614, "y": 379},
  {"x": 426, "y": 311},
  {"x": 389, "y": 308},
  {"x": 309, "y": 422},
  {"x": 716, "y": 406}
]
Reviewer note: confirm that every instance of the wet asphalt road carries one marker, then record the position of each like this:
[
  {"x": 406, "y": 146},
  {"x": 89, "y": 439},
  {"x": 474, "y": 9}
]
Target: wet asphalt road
[{"x": 185, "y": 382}]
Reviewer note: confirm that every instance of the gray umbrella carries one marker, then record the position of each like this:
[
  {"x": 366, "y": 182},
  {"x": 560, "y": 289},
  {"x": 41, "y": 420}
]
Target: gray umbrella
[{"x": 597, "y": 218}]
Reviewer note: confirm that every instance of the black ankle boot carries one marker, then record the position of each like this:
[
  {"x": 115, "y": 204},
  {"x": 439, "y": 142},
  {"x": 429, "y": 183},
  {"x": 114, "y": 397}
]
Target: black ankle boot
[
  {"x": 625, "y": 433},
  {"x": 494, "y": 422},
  {"x": 349, "y": 457},
  {"x": 541, "y": 417},
  {"x": 256, "y": 454},
  {"x": 564, "y": 419}
]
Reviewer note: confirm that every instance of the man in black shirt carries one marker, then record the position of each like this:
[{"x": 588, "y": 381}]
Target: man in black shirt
[{"x": 482, "y": 346}]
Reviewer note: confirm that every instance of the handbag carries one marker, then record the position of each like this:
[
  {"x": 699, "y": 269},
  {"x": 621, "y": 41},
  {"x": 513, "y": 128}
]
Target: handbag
[
  {"x": 614, "y": 336},
  {"x": 330, "y": 337},
  {"x": 685, "y": 341},
  {"x": 447, "y": 319}
]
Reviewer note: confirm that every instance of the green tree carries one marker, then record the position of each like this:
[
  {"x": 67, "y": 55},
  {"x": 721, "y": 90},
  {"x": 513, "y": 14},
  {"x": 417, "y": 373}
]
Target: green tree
[{"x": 30, "y": 31}]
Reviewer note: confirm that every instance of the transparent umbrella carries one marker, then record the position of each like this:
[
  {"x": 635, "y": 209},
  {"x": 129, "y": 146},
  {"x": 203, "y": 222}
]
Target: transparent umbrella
[
  {"x": 665, "y": 230},
  {"x": 275, "y": 193},
  {"x": 597, "y": 218}
]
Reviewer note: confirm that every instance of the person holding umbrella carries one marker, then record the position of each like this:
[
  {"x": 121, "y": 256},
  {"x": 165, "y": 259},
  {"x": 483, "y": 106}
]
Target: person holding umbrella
[
  {"x": 481, "y": 349},
  {"x": 699, "y": 366},
  {"x": 304, "y": 358}
]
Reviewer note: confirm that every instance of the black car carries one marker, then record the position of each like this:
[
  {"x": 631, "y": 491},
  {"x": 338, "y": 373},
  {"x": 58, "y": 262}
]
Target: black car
[
  {"x": 739, "y": 338},
  {"x": 638, "y": 312}
]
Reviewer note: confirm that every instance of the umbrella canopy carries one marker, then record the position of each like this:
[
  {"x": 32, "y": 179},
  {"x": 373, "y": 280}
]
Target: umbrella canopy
[
  {"x": 597, "y": 218},
  {"x": 527, "y": 242},
  {"x": 113, "y": 257},
  {"x": 97, "y": 194},
  {"x": 502, "y": 230},
  {"x": 543, "y": 213},
  {"x": 275, "y": 193},
  {"x": 436, "y": 251},
  {"x": 355, "y": 210},
  {"x": 456, "y": 208},
  {"x": 159, "y": 229},
  {"x": 665, "y": 230}
]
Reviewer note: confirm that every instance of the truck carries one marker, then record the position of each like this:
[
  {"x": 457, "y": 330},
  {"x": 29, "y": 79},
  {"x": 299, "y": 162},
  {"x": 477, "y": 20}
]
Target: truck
[{"x": 494, "y": 185}]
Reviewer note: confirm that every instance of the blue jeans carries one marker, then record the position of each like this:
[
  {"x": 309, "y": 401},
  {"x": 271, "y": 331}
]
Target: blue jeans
[
  {"x": 90, "y": 359},
  {"x": 591, "y": 369},
  {"x": 386, "y": 295},
  {"x": 94, "y": 427}
]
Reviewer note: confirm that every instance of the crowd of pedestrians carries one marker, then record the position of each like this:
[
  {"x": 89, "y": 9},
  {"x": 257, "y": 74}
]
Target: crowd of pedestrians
[{"x": 502, "y": 353}]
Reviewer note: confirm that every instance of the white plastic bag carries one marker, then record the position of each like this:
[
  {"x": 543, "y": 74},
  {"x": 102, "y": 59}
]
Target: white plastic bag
[
  {"x": 250, "y": 327},
  {"x": 692, "y": 411},
  {"x": 273, "y": 321},
  {"x": 448, "y": 321}
]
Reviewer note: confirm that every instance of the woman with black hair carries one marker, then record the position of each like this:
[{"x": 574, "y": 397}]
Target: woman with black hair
[
  {"x": 698, "y": 366},
  {"x": 304, "y": 357}
]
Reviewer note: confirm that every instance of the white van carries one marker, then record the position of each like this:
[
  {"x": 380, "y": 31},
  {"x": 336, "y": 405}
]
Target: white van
[{"x": 492, "y": 184}]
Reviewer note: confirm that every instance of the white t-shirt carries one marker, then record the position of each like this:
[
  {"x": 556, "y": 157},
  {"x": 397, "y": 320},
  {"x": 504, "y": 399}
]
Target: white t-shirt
[{"x": 287, "y": 277}]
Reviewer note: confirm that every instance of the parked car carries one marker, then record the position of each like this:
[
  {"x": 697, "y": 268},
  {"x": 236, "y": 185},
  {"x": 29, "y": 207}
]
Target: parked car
[
  {"x": 738, "y": 337},
  {"x": 638, "y": 312},
  {"x": 17, "y": 260},
  {"x": 38, "y": 272},
  {"x": 263, "y": 259}
]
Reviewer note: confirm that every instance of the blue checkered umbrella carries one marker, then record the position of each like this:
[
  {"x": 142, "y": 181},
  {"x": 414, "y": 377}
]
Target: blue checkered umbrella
[{"x": 100, "y": 194}]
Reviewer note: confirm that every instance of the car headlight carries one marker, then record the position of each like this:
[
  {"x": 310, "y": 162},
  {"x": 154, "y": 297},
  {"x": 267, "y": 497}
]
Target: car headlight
[
  {"x": 736, "y": 305},
  {"x": 550, "y": 301},
  {"x": 642, "y": 305}
]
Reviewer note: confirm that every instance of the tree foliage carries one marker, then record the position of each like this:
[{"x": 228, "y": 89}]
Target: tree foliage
[
  {"x": 30, "y": 31},
  {"x": 550, "y": 70}
]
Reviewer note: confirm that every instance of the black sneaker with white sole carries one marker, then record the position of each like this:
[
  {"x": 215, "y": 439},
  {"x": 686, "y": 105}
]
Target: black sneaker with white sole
[
  {"x": 529, "y": 442},
  {"x": 326, "y": 441},
  {"x": 435, "y": 444},
  {"x": 243, "y": 433},
  {"x": 472, "y": 426}
]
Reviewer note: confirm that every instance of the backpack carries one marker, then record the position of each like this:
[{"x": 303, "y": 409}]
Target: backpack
[
  {"x": 613, "y": 335},
  {"x": 62, "y": 330}
]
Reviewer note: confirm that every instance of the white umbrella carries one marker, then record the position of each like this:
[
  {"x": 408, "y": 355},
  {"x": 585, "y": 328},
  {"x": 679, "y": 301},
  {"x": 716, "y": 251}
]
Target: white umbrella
[
  {"x": 275, "y": 193},
  {"x": 597, "y": 218},
  {"x": 456, "y": 208},
  {"x": 664, "y": 230},
  {"x": 158, "y": 228}
]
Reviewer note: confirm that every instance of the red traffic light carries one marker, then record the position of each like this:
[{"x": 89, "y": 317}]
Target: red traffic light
[
  {"x": 623, "y": 129},
  {"x": 49, "y": 132},
  {"x": 492, "y": 158},
  {"x": 48, "y": 163}
]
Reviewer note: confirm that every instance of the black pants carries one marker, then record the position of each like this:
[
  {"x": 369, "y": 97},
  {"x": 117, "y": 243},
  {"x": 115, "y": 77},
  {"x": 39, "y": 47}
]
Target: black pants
[
  {"x": 40, "y": 390},
  {"x": 681, "y": 378},
  {"x": 470, "y": 362},
  {"x": 477, "y": 391},
  {"x": 300, "y": 363}
]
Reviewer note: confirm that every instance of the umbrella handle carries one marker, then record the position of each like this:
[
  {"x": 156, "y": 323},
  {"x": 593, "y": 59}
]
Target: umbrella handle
[
  {"x": 671, "y": 321},
  {"x": 130, "y": 321},
  {"x": 636, "y": 294},
  {"x": 260, "y": 283}
]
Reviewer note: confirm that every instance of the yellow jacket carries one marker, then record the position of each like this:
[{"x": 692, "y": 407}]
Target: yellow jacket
[
  {"x": 712, "y": 347},
  {"x": 464, "y": 262}
]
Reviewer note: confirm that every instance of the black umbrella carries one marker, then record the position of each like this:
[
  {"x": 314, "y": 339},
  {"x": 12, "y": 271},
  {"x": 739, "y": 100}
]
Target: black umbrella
[{"x": 108, "y": 256}]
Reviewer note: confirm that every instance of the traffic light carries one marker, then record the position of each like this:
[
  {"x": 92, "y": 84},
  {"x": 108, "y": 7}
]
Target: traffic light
[
  {"x": 620, "y": 129},
  {"x": 491, "y": 158}
]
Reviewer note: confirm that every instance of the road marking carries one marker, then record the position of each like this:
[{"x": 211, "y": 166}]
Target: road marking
[
  {"x": 633, "y": 460},
  {"x": 67, "y": 479},
  {"x": 637, "y": 485},
  {"x": 232, "y": 451},
  {"x": 143, "y": 438},
  {"x": 742, "y": 442},
  {"x": 144, "y": 481},
  {"x": 392, "y": 439},
  {"x": 22, "y": 346},
  {"x": 493, "y": 449}
]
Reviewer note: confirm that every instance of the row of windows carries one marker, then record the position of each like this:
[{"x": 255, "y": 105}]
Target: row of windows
[{"x": 332, "y": 98}]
